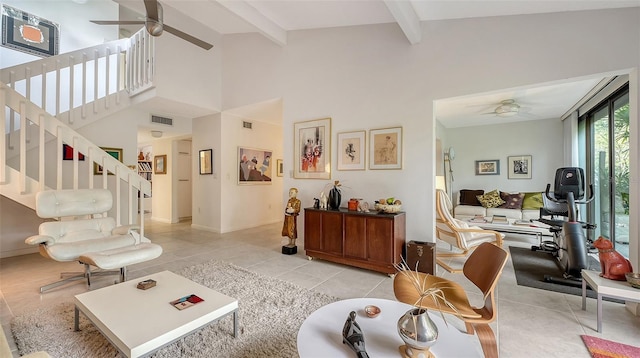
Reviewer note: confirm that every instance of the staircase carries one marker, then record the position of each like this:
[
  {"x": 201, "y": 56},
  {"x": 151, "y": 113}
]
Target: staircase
[{"x": 44, "y": 102}]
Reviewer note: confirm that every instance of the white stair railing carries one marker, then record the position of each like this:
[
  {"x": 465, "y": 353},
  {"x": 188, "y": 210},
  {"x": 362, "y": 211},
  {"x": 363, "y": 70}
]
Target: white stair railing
[
  {"x": 84, "y": 82},
  {"x": 79, "y": 79},
  {"x": 34, "y": 171}
]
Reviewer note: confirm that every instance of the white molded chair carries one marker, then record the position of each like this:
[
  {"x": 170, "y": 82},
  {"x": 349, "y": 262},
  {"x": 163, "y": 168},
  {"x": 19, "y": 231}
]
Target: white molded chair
[
  {"x": 458, "y": 233},
  {"x": 81, "y": 227}
]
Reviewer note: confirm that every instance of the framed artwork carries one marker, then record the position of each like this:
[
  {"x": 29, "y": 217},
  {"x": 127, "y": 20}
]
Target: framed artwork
[
  {"x": 279, "y": 168},
  {"x": 254, "y": 166},
  {"x": 67, "y": 153},
  {"x": 519, "y": 167},
  {"x": 114, "y": 152},
  {"x": 160, "y": 164},
  {"x": 488, "y": 167},
  {"x": 385, "y": 148},
  {"x": 206, "y": 161},
  {"x": 351, "y": 150},
  {"x": 312, "y": 149},
  {"x": 28, "y": 33}
]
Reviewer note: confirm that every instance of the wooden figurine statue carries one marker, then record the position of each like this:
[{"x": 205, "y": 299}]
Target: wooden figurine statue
[{"x": 290, "y": 225}]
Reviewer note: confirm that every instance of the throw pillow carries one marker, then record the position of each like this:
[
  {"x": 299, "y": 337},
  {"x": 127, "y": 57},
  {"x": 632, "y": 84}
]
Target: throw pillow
[
  {"x": 470, "y": 197},
  {"x": 532, "y": 201},
  {"x": 511, "y": 201},
  {"x": 491, "y": 199}
]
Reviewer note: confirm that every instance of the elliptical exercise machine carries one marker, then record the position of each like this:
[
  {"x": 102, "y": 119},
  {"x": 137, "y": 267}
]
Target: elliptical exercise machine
[{"x": 569, "y": 244}]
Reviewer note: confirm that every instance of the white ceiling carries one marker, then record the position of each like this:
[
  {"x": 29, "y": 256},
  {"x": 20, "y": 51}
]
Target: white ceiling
[
  {"x": 539, "y": 102},
  {"x": 274, "y": 18}
]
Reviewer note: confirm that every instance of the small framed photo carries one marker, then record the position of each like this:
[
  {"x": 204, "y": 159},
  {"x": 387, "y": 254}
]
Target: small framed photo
[
  {"x": 114, "y": 152},
  {"x": 488, "y": 167},
  {"x": 68, "y": 152},
  {"x": 254, "y": 166},
  {"x": 205, "y": 159},
  {"x": 312, "y": 149},
  {"x": 519, "y": 167},
  {"x": 279, "y": 168},
  {"x": 385, "y": 148},
  {"x": 29, "y": 33},
  {"x": 160, "y": 164},
  {"x": 351, "y": 150}
]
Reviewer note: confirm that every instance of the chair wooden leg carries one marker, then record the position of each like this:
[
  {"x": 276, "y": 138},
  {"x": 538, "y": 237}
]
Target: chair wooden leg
[
  {"x": 487, "y": 340},
  {"x": 469, "y": 327},
  {"x": 447, "y": 267},
  {"x": 440, "y": 256}
]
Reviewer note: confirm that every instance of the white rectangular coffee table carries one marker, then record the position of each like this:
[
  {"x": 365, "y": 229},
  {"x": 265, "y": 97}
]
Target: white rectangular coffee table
[{"x": 139, "y": 322}]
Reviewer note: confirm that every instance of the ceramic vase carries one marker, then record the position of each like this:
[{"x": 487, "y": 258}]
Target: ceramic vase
[
  {"x": 418, "y": 331},
  {"x": 335, "y": 197}
]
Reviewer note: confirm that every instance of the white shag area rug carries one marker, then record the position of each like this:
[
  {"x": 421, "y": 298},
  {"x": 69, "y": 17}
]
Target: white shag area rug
[{"x": 270, "y": 315}]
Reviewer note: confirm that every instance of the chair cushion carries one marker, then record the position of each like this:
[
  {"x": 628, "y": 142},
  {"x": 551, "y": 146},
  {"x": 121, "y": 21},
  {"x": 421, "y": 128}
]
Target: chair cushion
[
  {"x": 491, "y": 199},
  {"x": 532, "y": 201},
  {"x": 470, "y": 197},
  {"x": 511, "y": 201},
  {"x": 69, "y": 202},
  {"x": 71, "y": 251},
  {"x": 78, "y": 230},
  {"x": 121, "y": 257},
  {"x": 467, "y": 210}
]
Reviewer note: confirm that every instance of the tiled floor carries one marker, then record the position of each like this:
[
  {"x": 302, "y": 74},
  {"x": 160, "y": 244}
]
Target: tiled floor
[{"x": 531, "y": 322}]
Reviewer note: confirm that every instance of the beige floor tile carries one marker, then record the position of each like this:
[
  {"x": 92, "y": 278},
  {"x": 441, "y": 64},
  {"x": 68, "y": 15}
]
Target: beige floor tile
[{"x": 530, "y": 322}]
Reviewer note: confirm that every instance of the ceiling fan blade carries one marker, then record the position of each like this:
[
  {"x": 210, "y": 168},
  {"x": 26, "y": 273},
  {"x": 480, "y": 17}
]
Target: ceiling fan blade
[
  {"x": 152, "y": 9},
  {"x": 126, "y": 22},
  {"x": 187, "y": 37}
]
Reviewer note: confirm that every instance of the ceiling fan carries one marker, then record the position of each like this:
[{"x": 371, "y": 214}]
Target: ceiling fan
[
  {"x": 507, "y": 108},
  {"x": 155, "y": 26}
]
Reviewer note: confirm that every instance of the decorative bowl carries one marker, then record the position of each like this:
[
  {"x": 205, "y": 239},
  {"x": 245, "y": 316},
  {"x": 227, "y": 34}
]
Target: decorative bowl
[
  {"x": 372, "y": 311},
  {"x": 633, "y": 278},
  {"x": 390, "y": 209}
]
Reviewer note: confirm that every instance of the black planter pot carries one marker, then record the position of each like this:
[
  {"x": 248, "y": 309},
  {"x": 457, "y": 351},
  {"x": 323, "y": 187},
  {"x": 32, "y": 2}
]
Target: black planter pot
[{"x": 334, "y": 199}]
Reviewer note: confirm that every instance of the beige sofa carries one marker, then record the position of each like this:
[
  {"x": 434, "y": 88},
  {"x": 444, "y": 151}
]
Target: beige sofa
[{"x": 466, "y": 212}]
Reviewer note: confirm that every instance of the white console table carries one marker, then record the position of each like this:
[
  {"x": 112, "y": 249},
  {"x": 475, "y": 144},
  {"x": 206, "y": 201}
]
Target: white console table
[{"x": 606, "y": 288}]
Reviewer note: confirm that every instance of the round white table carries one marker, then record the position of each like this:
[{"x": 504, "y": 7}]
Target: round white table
[{"x": 321, "y": 333}]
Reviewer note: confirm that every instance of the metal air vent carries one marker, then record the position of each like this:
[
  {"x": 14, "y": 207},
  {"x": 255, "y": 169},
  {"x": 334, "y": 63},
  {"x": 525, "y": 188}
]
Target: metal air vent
[
  {"x": 246, "y": 124},
  {"x": 162, "y": 120}
]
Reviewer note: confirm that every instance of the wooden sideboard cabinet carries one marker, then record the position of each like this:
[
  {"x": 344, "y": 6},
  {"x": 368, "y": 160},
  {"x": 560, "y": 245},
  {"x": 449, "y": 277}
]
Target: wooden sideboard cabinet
[{"x": 371, "y": 241}]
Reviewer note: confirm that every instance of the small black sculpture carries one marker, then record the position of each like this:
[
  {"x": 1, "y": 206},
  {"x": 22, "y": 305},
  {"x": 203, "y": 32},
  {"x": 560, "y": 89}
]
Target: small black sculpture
[{"x": 352, "y": 336}]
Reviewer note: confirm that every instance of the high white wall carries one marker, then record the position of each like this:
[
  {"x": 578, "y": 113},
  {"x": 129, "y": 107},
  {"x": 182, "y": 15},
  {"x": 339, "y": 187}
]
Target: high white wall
[
  {"x": 246, "y": 206},
  {"x": 219, "y": 203},
  {"x": 543, "y": 140},
  {"x": 162, "y": 194},
  {"x": 367, "y": 77},
  {"x": 252, "y": 70},
  {"x": 207, "y": 203},
  {"x": 176, "y": 59}
]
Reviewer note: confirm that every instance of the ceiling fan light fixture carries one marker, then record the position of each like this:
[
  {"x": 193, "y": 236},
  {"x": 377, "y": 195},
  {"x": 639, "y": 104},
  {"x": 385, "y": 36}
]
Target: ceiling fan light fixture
[
  {"x": 153, "y": 27},
  {"x": 508, "y": 108}
]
